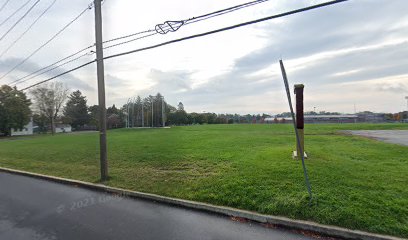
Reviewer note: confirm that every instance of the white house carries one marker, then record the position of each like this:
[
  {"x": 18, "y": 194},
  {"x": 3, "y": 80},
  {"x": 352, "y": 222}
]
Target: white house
[{"x": 27, "y": 130}]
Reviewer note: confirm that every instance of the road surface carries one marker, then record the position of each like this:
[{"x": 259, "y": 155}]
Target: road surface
[
  {"x": 391, "y": 136},
  {"x": 32, "y": 209}
]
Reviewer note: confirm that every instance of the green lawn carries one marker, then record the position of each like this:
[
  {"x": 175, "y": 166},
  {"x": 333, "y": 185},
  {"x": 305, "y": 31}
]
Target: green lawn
[{"x": 358, "y": 183}]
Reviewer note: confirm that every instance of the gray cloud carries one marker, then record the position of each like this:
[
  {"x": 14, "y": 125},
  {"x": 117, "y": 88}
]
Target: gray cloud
[{"x": 392, "y": 87}]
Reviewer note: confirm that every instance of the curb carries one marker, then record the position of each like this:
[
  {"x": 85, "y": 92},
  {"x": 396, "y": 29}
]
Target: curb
[{"x": 326, "y": 230}]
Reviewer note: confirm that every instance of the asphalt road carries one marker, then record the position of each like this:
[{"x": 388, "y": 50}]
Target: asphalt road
[
  {"x": 37, "y": 209},
  {"x": 391, "y": 136}
]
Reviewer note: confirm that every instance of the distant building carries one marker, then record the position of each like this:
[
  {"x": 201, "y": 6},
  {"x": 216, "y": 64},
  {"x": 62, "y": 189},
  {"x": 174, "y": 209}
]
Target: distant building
[
  {"x": 371, "y": 117},
  {"x": 277, "y": 120},
  {"x": 63, "y": 128},
  {"x": 26, "y": 130},
  {"x": 342, "y": 118}
]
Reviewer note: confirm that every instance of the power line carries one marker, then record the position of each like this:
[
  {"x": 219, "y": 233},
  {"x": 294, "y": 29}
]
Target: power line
[
  {"x": 168, "y": 25},
  {"x": 131, "y": 40},
  {"x": 14, "y": 13},
  {"x": 28, "y": 29},
  {"x": 53, "y": 64},
  {"x": 19, "y": 20},
  {"x": 152, "y": 32},
  {"x": 224, "y": 11},
  {"x": 48, "y": 41},
  {"x": 199, "y": 35},
  {"x": 55, "y": 67},
  {"x": 59, "y": 75},
  {"x": 130, "y": 35},
  {"x": 229, "y": 28},
  {"x": 4, "y": 5}
]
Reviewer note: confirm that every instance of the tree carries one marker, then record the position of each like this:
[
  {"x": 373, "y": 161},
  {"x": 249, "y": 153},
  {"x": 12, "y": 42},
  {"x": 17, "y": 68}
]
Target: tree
[
  {"x": 48, "y": 100},
  {"x": 76, "y": 110},
  {"x": 112, "y": 110},
  {"x": 94, "y": 115},
  {"x": 14, "y": 109},
  {"x": 41, "y": 121},
  {"x": 180, "y": 106}
]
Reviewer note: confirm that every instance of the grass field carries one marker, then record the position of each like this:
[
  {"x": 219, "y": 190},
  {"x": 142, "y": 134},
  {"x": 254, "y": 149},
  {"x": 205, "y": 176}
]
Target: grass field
[{"x": 358, "y": 183}]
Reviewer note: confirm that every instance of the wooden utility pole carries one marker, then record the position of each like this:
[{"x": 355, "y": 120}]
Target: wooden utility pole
[{"x": 101, "y": 90}]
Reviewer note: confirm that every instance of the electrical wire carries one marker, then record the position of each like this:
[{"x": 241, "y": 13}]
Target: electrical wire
[
  {"x": 229, "y": 28},
  {"x": 90, "y": 6},
  {"x": 153, "y": 32},
  {"x": 131, "y": 40},
  {"x": 166, "y": 26},
  {"x": 199, "y": 35},
  {"x": 58, "y": 66},
  {"x": 14, "y": 13},
  {"x": 51, "y": 65},
  {"x": 224, "y": 11},
  {"x": 28, "y": 29},
  {"x": 4, "y": 5},
  {"x": 19, "y": 20},
  {"x": 59, "y": 75}
]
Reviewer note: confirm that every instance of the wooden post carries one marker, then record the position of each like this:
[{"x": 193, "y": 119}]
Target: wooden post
[{"x": 300, "y": 121}]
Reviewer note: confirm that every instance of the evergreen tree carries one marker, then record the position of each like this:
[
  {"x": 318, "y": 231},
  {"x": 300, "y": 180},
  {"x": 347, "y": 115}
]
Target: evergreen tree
[{"x": 76, "y": 110}]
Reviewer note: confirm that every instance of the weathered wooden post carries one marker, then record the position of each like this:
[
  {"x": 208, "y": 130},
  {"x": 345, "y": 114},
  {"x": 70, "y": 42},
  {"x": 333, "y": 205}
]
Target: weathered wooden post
[{"x": 300, "y": 121}]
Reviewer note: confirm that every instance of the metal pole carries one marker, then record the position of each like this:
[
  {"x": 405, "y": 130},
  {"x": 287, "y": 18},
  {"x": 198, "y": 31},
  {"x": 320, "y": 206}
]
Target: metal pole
[
  {"x": 285, "y": 80},
  {"x": 101, "y": 90}
]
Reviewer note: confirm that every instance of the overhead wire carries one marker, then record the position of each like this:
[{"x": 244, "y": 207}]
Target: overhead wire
[
  {"x": 184, "y": 22},
  {"x": 19, "y": 20},
  {"x": 55, "y": 66},
  {"x": 28, "y": 29},
  {"x": 51, "y": 65},
  {"x": 90, "y": 6},
  {"x": 59, "y": 75},
  {"x": 150, "y": 31},
  {"x": 229, "y": 28},
  {"x": 14, "y": 13},
  {"x": 4, "y": 5},
  {"x": 200, "y": 35}
]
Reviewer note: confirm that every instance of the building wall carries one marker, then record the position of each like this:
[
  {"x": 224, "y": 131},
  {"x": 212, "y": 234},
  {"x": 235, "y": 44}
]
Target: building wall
[
  {"x": 63, "y": 129},
  {"x": 27, "y": 130}
]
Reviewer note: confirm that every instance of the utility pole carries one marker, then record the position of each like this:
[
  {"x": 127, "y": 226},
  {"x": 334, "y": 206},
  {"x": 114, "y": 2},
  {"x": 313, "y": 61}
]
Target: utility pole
[{"x": 101, "y": 90}]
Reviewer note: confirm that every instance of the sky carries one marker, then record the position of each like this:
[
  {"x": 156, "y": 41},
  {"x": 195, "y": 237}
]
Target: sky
[{"x": 351, "y": 56}]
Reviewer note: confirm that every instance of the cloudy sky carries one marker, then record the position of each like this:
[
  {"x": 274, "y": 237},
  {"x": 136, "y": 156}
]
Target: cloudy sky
[{"x": 352, "y": 55}]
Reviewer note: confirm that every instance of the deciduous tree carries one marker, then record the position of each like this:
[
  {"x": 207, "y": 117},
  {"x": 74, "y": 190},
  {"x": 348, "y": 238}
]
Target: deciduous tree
[{"x": 48, "y": 100}]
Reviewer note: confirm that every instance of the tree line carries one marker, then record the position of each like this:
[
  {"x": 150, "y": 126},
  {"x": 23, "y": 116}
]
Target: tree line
[{"x": 51, "y": 104}]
